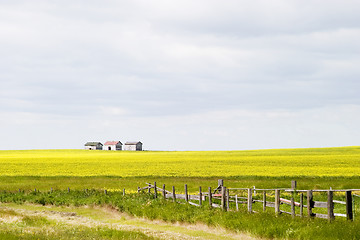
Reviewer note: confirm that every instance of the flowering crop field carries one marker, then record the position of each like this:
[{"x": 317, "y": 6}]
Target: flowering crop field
[{"x": 320, "y": 162}]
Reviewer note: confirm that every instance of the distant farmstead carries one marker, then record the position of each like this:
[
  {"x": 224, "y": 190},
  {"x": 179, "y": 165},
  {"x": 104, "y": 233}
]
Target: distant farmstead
[
  {"x": 113, "y": 145},
  {"x": 93, "y": 146},
  {"x": 133, "y": 146}
]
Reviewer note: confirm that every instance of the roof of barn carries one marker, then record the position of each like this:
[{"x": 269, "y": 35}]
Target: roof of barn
[
  {"x": 112, "y": 143},
  {"x": 92, "y": 143},
  {"x": 132, "y": 143}
]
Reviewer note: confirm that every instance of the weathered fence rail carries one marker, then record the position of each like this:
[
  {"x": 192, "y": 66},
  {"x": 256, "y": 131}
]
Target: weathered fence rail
[{"x": 229, "y": 199}]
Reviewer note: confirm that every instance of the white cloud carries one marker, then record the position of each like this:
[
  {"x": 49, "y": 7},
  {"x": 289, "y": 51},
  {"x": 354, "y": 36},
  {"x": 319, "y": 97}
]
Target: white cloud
[{"x": 178, "y": 70}]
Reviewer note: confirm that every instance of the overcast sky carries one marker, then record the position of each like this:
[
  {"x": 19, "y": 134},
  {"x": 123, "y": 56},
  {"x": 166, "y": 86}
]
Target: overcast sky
[{"x": 180, "y": 75}]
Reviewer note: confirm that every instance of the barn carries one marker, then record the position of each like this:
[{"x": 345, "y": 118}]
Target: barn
[
  {"x": 93, "y": 146},
  {"x": 113, "y": 145},
  {"x": 133, "y": 146}
]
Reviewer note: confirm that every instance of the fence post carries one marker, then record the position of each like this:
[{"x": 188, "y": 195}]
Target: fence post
[
  {"x": 301, "y": 204},
  {"x": 186, "y": 193},
  {"x": 210, "y": 197},
  {"x": 330, "y": 206},
  {"x": 68, "y": 189},
  {"x": 309, "y": 203},
  {"x": 292, "y": 207},
  {"x": 173, "y": 193},
  {"x": 264, "y": 201},
  {"x": 105, "y": 191},
  {"x": 155, "y": 190},
  {"x": 277, "y": 201},
  {"x": 227, "y": 199},
  {"x": 249, "y": 200},
  {"x": 223, "y": 198},
  {"x": 123, "y": 191},
  {"x": 293, "y": 184},
  {"x": 220, "y": 182},
  {"x": 200, "y": 196},
  {"x": 164, "y": 192},
  {"x": 349, "y": 210},
  {"x": 236, "y": 203},
  {"x": 138, "y": 189},
  {"x": 149, "y": 189}
]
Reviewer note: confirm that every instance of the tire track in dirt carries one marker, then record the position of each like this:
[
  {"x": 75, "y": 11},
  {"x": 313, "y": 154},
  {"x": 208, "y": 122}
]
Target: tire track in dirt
[{"x": 107, "y": 217}]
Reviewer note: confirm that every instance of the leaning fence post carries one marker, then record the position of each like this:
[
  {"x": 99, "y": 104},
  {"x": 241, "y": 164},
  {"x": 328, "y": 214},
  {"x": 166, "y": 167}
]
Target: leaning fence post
[
  {"x": 309, "y": 203},
  {"x": 249, "y": 200},
  {"x": 277, "y": 201},
  {"x": 210, "y": 197},
  {"x": 155, "y": 190},
  {"x": 349, "y": 210},
  {"x": 164, "y": 191},
  {"x": 301, "y": 204},
  {"x": 330, "y": 206},
  {"x": 173, "y": 193},
  {"x": 200, "y": 196},
  {"x": 186, "y": 193}
]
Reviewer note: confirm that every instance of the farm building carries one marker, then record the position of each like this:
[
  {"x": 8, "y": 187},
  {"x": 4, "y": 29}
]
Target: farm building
[
  {"x": 133, "y": 146},
  {"x": 113, "y": 145},
  {"x": 93, "y": 146}
]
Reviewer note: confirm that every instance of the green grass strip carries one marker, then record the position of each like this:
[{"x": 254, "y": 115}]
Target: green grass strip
[{"x": 144, "y": 205}]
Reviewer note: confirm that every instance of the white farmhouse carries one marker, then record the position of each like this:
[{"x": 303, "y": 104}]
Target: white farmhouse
[
  {"x": 113, "y": 145},
  {"x": 133, "y": 146}
]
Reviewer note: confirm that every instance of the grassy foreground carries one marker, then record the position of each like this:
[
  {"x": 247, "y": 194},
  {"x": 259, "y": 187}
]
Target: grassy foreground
[
  {"x": 21, "y": 225},
  {"x": 144, "y": 205}
]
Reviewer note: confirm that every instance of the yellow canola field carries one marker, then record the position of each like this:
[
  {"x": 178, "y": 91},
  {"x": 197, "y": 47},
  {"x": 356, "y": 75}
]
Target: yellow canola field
[{"x": 344, "y": 161}]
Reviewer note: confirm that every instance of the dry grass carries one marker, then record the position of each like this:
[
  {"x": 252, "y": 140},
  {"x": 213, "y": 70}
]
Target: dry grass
[{"x": 95, "y": 217}]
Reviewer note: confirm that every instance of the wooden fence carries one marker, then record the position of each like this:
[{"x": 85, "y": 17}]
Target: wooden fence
[
  {"x": 292, "y": 201},
  {"x": 282, "y": 200}
]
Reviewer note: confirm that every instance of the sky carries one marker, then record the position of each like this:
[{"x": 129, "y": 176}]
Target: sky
[{"x": 180, "y": 75}]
